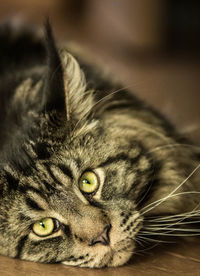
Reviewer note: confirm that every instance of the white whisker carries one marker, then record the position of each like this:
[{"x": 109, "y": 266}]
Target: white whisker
[
  {"x": 172, "y": 146},
  {"x": 171, "y": 229},
  {"x": 174, "y": 217},
  {"x": 170, "y": 234},
  {"x": 148, "y": 239},
  {"x": 95, "y": 104},
  {"x": 167, "y": 229},
  {"x": 160, "y": 201},
  {"x": 169, "y": 224},
  {"x": 174, "y": 195}
]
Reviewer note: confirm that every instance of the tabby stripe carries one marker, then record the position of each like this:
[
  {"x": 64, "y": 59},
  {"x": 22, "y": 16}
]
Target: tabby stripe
[
  {"x": 54, "y": 261},
  {"x": 41, "y": 150},
  {"x": 119, "y": 157},
  {"x": 96, "y": 204},
  {"x": 67, "y": 230},
  {"x": 34, "y": 205},
  {"x": 52, "y": 175},
  {"x": 143, "y": 191},
  {"x": 139, "y": 173},
  {"x": 26, "y": 189},
  {"x": 48, "y": 186},
  {"x": 119, "y": 106},
  {"x": 55, "y": 120},
  {"x": 12, "y": 181},
  {"x": 20, "y": 246},
  {"x": 26, "y": 164},
  {"x": 65, "y": 170},
  {"x": 49, "y": 240},
  {"x": 24, "y": 217}
]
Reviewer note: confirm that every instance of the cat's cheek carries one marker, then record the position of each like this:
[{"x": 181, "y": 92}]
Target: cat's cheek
[
  {"x": 124, "y": 227},
  {"x": 105, "y": 256},
  {"x": 94, "y": 257},
  {"x": 121, "y": 257},
  {"x": 122, "y": 235}
]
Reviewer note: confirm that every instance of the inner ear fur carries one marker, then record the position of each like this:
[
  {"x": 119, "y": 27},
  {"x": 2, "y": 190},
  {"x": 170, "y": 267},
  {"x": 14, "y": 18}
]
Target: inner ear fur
[{"x": 65, "y": 86}]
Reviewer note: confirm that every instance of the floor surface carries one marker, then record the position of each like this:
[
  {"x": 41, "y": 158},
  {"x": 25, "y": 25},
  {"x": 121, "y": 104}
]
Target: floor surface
[{"x": 173, "y": 259}]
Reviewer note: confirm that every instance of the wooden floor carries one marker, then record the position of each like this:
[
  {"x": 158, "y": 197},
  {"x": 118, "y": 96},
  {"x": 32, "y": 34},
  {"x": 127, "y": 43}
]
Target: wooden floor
[
  {"x": 171, "y": 84},
  {"x": 173, "y": 259}
]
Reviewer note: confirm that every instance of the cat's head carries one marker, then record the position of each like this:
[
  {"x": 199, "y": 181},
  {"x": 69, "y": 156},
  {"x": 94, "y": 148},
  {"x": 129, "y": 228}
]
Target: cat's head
[
  {"x": 69, "y": 173},
  {"x": 73, "y": 175}
]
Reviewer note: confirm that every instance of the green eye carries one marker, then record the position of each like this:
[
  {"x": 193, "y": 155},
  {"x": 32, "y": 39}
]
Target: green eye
[
  {"x": 88, "y": 182},
  {"x": 44, "y": 227}
]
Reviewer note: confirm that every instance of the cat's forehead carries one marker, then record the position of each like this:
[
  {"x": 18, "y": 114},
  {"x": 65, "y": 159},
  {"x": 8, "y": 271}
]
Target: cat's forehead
[{"x": 96, "y": 147}]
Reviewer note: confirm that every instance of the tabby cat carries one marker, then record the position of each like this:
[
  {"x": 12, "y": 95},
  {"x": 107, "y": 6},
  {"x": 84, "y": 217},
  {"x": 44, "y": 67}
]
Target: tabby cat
[{"x": 86, "y": 169}]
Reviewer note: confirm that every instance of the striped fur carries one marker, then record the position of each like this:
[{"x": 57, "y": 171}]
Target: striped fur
[{"x": 59, "y": 117}]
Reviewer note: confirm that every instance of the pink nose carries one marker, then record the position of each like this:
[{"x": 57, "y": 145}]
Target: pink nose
[{"x": 103, "y": 237}]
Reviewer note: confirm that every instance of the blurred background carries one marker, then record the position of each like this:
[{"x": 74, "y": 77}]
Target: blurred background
[{"x": 152, "y": 46}]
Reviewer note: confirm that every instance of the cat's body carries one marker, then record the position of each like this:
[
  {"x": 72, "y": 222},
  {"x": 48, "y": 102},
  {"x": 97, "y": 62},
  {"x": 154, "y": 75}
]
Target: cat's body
[{"x": 57, "y": 130}]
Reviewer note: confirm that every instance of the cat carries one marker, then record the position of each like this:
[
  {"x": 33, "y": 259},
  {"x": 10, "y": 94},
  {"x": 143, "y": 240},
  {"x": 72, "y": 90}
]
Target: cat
[{"x": 87, "y": 170}]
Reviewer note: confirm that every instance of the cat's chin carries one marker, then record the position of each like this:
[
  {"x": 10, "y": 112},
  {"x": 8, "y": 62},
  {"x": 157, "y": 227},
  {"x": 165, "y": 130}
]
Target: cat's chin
[
  {"x": 121, "y": 254},
  {"x": 110, "y": 258},
  {"x": 119, "y": 259}
]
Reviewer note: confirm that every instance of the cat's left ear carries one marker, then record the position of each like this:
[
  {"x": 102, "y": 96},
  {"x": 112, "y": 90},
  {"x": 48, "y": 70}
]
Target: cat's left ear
[
  {"x": 54, "y": 92},
  {"x": 65, "y": 85}
]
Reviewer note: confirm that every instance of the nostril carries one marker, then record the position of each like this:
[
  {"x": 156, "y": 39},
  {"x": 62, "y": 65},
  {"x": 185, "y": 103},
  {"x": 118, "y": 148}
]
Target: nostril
[{"x": 103, "y": 237}]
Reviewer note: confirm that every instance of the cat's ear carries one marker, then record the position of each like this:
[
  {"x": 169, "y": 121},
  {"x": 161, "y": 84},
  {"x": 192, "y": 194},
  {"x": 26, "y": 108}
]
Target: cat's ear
[
  {"x": 79, "y": 101},
  {"x": 65, "y": 86},
  {"x": 54, "y": 92}
]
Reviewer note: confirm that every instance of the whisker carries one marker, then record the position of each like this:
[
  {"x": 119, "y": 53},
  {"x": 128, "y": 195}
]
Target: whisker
[
  {"x": 180, "y": 223},
  {"x": 169, "y": 230},
  {"x": 144, "y": 126},
  {"x": 172, "y": 146},
  {"x": 55, "y": 71},
  {"x": 170, "y": 234},
  {"x": 194, "y": 212},
  {"x": 160, "y": 201},
  {"x": 138, "y": 241},
  {"x": 172, "y": 229},
  {"x": 146, "y": 193},
  {"x": 148, "y": 239},
  {"x": 148, "y": 248},
  {"x": 95, "y": 104},
  {"x": 169, "y": 227},
  {"x": 163, "y": 199}
]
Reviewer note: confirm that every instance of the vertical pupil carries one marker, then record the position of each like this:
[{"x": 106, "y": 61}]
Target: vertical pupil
[
  {"x": 42, "y": 224},
  {"x": 86, "y": 181}
]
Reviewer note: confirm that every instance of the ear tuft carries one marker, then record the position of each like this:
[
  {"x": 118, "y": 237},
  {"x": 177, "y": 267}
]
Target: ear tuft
[
  {"x": 79, "y": 100},
  {"x": 65, "y": 87},
  {"x": 54, "y": 96}
]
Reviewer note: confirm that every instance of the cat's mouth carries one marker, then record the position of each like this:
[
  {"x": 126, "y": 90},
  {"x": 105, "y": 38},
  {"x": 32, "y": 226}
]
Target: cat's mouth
[
  {"x": 111, "y": 247},
  {"x": 116, "y": 256},
  {"x": 111, "y": 256}
]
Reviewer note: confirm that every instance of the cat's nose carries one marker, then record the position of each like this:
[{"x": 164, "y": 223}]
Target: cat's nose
[{"x": 103, "y": 237}]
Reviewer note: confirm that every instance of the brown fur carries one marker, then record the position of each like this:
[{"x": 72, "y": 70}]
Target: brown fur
[{"x": 145, "y": 170}]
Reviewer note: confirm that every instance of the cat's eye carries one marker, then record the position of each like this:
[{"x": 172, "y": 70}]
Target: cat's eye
[
  {"x": 45, "y": 227},
  {"x": 88, "y": 182}
]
